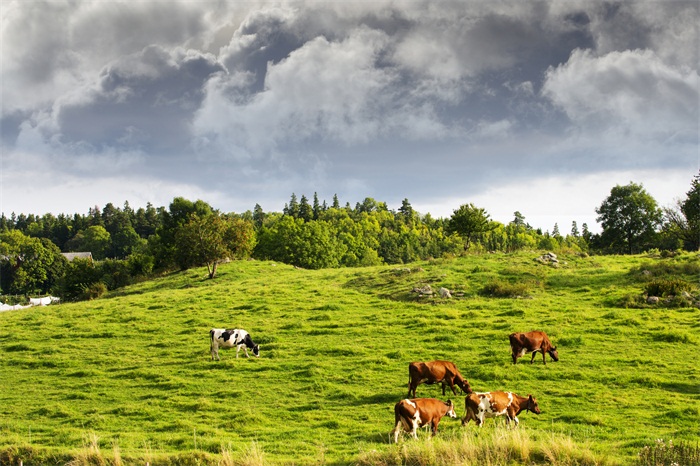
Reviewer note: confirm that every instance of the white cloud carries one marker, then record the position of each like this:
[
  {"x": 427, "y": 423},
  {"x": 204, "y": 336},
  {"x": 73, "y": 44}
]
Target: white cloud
[{"x": 630, "y": 92}]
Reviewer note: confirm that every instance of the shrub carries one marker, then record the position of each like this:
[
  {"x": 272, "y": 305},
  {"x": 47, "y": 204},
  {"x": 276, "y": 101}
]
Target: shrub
[
  {"x": 94, "y": 290},
  {"x": 667, "y": 287},
  {"x": 500, "y": 289}
]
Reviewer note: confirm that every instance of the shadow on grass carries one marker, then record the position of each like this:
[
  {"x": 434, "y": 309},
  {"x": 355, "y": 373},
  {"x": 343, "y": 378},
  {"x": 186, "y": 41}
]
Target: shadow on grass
[
  {"x": 687, "y": 388},
  {"x": 377, "y": 399}
]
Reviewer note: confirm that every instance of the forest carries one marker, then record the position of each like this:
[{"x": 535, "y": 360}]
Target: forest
[{"x": 129, "y": 245}]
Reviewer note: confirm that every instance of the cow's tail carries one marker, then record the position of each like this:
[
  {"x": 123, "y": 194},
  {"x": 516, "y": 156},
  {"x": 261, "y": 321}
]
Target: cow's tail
[
  {"x": 397, "y": 414},
  {"x": 211, "y": 339}
]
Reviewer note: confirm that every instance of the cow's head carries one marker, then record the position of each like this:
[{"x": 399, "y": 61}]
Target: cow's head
[
  {"x": 553, "y": 353},
  {"x": 256, "y": 351},
  {"x": 466, "y": 388},
  {"x": 532, "y": 405},
  {"x": 450, "y": 409}
]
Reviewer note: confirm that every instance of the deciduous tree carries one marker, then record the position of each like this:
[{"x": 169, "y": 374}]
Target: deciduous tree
[
  {"x": 469, "y": 222},
  {"x": 629, "y": 217},
  {"x": 210, "y": 239}
]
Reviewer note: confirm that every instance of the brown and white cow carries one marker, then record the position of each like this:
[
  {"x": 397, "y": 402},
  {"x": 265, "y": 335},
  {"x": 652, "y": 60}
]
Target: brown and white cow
[
  {"x": 532, "y": 342},
  {"x": 491, "y": 404},
  {"x": 444, "y": 372},
  {"x": 418, "y": 412}
]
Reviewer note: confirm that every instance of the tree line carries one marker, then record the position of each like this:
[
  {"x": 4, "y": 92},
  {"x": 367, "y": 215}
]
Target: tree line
[{"x": 128, "y": 245}]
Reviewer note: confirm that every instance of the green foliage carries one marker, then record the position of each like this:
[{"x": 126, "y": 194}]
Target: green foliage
[
  {"x": 210, "y": 239},
  {"x": 469, "y": 222},
  {"x": 80, "y": 275},
  {"x": 95, "y": 239},
  {"x": 683, "y": 220},
  {"x": 629, "y": 217},
  {"x": 683, "y": 265},
  {"x": 28, "y": 265},
  {"x": 667, "y": 287},
  {"x": 94, "y": 291},
  {"x": 501, "y": 289}
]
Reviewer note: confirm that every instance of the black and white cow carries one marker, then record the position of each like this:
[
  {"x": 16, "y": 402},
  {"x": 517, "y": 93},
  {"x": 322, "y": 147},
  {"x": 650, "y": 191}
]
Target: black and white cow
[{"x": 224, "y": 338}]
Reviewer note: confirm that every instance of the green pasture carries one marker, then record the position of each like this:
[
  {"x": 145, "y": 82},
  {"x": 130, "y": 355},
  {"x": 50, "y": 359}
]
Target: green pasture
[{"x": 131, "y": 373}]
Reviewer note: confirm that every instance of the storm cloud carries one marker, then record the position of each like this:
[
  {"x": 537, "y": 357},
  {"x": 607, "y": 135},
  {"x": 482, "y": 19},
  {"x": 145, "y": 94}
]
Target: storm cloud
[{"x": 442, "y": 103}]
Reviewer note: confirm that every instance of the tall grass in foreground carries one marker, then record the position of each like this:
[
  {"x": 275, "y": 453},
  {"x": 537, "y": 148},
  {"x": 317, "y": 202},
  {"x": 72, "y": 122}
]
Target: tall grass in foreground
[
  {"x": 487, "y": 447},
  {"x": 669, "y": 454}
]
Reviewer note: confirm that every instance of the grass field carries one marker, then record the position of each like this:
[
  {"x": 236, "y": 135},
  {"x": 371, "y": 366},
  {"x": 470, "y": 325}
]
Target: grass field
[{"x": 128, "y": 379}]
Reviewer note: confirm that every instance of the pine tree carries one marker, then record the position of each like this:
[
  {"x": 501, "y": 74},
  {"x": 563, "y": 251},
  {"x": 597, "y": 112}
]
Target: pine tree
[
  {"x": 305, "y": 210},
  {"x": 317, "y": 207},
  {"x": 293, "y": 208},
  {"x": 258, "y": 216},
  {"x": 555, "y": 232}
]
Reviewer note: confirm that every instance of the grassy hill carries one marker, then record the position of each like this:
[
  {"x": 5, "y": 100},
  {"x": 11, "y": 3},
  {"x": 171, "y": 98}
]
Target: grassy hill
[{"x": 128, "y": 379}]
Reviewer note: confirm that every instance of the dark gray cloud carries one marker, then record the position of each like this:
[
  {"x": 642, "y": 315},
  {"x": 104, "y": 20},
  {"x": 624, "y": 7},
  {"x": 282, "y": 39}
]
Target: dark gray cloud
[
  {"x": 243, "y": 102},
  {"x": 143, "y": 101}
]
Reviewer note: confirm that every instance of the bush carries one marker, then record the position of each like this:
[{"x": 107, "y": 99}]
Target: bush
[
  {"x": 668, "y": 269},
  {"x": 94, "y": 290},
  {"x": 667, "y": 287},
  {"x": 500, "y": 289}
]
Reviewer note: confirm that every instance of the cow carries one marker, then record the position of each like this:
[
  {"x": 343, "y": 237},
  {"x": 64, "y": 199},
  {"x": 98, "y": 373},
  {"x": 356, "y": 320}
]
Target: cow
[
  {"x": 419, "y": 412},
  {"x": 223, "y": 338},
  {"x": 492, "y": 404},
  {"x": 444, "y": 372},
  {"x": 532, "y": 342}
]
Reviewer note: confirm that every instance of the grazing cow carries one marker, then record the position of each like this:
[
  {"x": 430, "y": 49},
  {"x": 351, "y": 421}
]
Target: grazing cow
[
  {"x": 419, "y": 412},
  {"x": 532, "y": 342},
  {"x": 444, "y": 372},
  {"x": 492, "y": 404},
  {"x": 222, "y": 338}
]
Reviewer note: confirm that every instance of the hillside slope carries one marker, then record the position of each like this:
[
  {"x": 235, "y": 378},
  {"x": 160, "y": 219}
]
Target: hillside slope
[{"x": 131, "y": 373}]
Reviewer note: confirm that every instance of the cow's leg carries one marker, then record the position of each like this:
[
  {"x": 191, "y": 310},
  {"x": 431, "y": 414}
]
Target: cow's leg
[
  {"x": 434, "y": 426},
  {"x": 245, "y": 348},
  {"x": 412, "y": 385},
  {"x": 414, "y": 431},
  {"x": 468, "y": 416},
  {"x": 544, "y": 359},
  {"x": 514, "y": 355},
  {"x": 534, "y": 353},
  {"x": 395, "y": 433},
  {"x": 214, "y": 347}
]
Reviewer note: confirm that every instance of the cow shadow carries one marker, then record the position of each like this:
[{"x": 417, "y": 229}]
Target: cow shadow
[{"x": 377, "y": 399}]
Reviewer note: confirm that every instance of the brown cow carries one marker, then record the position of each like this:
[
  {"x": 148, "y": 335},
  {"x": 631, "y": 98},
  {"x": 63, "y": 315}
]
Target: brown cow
[
  {"x": 435, "y": 372},
  {"x": 532, "y": 342},
  {"x": 492, "y": 404},
  {"x": 419, "y": 412}
]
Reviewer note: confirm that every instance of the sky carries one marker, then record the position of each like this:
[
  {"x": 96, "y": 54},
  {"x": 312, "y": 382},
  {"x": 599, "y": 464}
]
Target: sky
[{"x": 540, "y": 107}]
